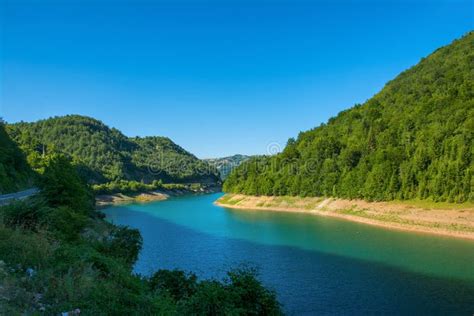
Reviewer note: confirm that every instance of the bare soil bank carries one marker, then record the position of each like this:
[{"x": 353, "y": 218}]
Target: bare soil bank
[
  {"x": 145, "y": 197},
  {"x": 447, "y": 219},
  {"x": 120, "y": 198}
]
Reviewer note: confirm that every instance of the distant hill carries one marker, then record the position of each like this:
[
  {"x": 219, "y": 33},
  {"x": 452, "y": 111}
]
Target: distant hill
[
  {"x": 414, "y": 139},
  {"x": 104, "y": 154},
  {"x": 227, "y": 164},
  {"x": 15, "y": 174}
]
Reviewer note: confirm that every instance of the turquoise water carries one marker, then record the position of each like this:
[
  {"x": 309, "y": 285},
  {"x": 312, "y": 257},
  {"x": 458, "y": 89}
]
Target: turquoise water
[{"x": 316, "y": 265}]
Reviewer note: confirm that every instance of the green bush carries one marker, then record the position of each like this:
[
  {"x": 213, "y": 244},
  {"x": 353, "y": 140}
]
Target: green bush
[
  {"x": 239, "y": 294},
  {"x": 176, "y": 284},
  {"x": 124, "y": 243},
  {"x": 61, "y": 185}
]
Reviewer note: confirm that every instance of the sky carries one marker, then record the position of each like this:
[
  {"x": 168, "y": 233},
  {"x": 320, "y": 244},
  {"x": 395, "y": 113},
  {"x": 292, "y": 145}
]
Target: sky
[{"x": 217, "y": 77}]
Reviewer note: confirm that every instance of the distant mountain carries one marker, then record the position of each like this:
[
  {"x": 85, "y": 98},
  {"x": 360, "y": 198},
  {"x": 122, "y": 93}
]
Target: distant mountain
[
  {"x": 227, "y": 164},
  {"x": 15, "y": 174},
  {"x": 104, "y": 154},
  {"x": 414, "y": 139}
]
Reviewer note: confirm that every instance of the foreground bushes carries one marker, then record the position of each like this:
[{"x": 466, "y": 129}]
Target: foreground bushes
[
  {"x": 44, "y": 274},
  {"x": 238, "y": 294}
]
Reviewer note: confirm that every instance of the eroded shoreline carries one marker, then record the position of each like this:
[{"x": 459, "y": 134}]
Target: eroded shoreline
[
  {"x": 105, "y": 200},
  {"x": 121, "y": 198},
  {"x": 442, "y": 219}
]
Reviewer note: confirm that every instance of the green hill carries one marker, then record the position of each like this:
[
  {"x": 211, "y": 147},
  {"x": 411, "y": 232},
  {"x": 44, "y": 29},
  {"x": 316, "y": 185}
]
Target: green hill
[
  {"x": 104, "y": 154},
  {"x": 227, "y": 164},
  {"x": 15, "y": 173},
  {"x": 414, "y": 139}
]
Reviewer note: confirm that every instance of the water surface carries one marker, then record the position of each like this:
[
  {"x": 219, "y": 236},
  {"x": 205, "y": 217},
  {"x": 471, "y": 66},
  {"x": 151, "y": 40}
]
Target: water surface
[{"x": 315, "y": 264}]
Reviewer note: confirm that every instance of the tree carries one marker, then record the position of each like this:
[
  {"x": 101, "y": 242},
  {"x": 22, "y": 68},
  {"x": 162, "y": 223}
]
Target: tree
[{"x": 62, "y": 186}]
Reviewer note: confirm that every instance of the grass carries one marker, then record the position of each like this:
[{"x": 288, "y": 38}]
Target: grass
[
  {"x": 396, "y": 219},
  {"x": 430, "y": 205},
  {"x": 230, "y": 200}
]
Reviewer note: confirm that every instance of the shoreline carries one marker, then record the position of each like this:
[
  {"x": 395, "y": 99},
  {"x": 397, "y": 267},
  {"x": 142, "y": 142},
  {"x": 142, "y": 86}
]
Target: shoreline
[
  {"x": 106, "y": 200},
  {"x": 448, "y": 222}
]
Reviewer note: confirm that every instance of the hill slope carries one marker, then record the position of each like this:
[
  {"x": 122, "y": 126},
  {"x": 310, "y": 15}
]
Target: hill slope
[
  {"x": 105, "y": 154},
  {"x": 414, "y": 139},
  {"x": 227, "y": 164},
  {"x": 15, "y": 173}
]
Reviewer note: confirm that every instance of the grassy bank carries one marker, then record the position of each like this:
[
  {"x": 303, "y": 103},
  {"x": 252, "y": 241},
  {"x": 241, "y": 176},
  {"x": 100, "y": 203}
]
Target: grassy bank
[{"x": 447, "y": 219}]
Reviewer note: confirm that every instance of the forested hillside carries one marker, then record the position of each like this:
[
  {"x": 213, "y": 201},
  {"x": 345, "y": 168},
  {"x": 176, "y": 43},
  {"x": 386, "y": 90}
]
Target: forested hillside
[
  {"x": 14, "y": 171},
  {"x": 227, "y": 164},
  {"x": 414, "y": 139},
  {"x": 104, "y": 154}
]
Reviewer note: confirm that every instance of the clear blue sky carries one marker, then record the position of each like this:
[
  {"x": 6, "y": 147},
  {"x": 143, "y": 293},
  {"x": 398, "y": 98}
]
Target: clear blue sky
[{"x": 217, "y": 77}]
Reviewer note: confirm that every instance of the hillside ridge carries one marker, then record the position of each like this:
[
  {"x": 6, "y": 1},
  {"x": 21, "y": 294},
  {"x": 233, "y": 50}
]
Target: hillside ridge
[
  {"x": 105, "y": 154},
  {"x": 412, "y": 140}
]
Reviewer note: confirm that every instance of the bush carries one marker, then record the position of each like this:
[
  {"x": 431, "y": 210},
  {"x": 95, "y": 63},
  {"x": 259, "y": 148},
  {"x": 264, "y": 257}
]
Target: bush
[
  {"x": 61, "y": 185},
  {"x": 239, "y": 294},
  {"x": 124, "y": 243},
  {"x": 176, "y": 284}
]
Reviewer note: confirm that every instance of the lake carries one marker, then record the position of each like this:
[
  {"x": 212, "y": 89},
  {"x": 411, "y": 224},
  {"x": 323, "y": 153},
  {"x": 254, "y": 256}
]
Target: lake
[{"x": 316, "y": 265}]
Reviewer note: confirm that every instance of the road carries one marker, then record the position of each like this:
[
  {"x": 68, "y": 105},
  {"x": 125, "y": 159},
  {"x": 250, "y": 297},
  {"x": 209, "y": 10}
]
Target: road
[{"x": 7, "y": 198}]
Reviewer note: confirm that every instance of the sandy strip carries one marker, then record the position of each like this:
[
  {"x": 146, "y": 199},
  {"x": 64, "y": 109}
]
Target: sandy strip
[
  {"x": 119, "y": 198},
  {"x": 419, "y": 219},
  {"x": 146, "y": 197}
]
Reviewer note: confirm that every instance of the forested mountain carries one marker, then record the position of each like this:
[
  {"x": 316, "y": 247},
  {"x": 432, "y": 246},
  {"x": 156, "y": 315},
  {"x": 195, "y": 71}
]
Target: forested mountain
[
  {"x": 227, "y": 164},
  {"x": 104, "y": 154},
  {"x": 15, "y": 173},
  {"x": 414, "y": 139}
]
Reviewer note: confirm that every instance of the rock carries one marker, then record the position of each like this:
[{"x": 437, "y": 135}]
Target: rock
[{"x": 30, "y": 272}]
